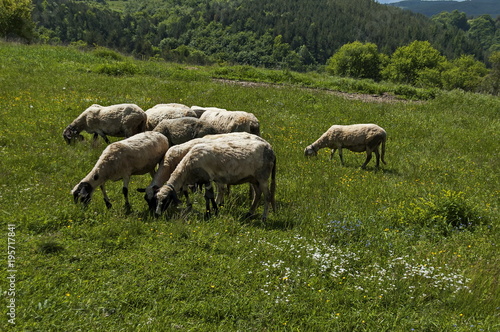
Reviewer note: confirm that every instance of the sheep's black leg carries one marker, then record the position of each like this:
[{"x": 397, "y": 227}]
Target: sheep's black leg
[
  {"x": 258, "y": 192},
  {"x": 210, "y": 198},
  {"x": 377, "y": 156},
  {"x": 106, "y": 198},
  {"x": 221, "y": 191},
  {"x": 189, "y": 204},
  {"x": 332, "y": 153},
  {"x": 106, "y": 139},
  {"x": 341, "y": 156},
  {"x": 368, "y": 158},
  {"x": 128, "y": 208}
]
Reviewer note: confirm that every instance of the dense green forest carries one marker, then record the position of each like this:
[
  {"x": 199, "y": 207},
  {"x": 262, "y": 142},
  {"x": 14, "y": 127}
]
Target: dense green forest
[
  {"x": 471, "y": 7},
  {"x": 292, "y": 34}
]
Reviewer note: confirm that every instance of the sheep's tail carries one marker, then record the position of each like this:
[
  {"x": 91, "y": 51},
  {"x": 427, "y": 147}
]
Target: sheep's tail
[
  {"x": 382, "y": 154},
  {"x": 273, "y": 186}
]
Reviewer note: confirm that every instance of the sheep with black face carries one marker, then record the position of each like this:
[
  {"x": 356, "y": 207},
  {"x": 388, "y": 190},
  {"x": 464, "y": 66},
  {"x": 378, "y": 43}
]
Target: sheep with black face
[
  {"x": 136, "y": 155},
  {"x": 357, "y": 138},
  {"x": 122, "y": 120},
  {"x": 233, "y": 162},
  {"x": 174, "y": 156}
]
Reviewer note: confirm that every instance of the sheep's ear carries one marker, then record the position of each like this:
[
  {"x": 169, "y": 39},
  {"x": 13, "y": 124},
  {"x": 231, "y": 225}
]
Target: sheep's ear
[{"x": 141, "y": 190}]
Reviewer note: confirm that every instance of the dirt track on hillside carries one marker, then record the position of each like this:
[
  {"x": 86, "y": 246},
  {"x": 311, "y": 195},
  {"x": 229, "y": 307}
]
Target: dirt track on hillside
[{"x": 385, "y": 98}]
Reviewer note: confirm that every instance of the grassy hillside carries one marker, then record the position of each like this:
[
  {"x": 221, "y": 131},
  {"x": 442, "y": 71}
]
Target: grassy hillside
[{"x": 412, "y": 246}]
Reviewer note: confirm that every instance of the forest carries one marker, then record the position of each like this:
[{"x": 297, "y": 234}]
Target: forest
[
  {"x": 286, "y": 34},
  {"x": 470, "y": 7},
  {"x": 298, "y": 35}
]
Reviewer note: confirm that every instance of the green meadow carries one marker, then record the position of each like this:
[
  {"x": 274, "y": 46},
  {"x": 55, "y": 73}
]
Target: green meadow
[{"x": 412, "y": 246}]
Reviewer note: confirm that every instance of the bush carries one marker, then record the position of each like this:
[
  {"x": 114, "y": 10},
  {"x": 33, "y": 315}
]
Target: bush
[
  {"x": 356, "y": 60},
  {"x": 117, "y": 69},
  {"x": 440, "y": 214},
  {"x": 108, "y": 54}
]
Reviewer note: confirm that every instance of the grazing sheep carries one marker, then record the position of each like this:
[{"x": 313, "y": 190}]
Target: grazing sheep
[
  {"x": 167, "y": 111},
  {"x": 136, "y": 155},
  {"x": 229, "y": 162},
  {"x": 123, "y": 120},
  {"x": 232, "y": 121},
  {"x": 199, "y": 110},
  {"x": 357, "y": 138},
  {"x": 181, "y": 130},
  {"x": 174, "y": 156}
]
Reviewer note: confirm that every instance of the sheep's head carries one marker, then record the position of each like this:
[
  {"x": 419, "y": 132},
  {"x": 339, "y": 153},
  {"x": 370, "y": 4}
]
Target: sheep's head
[
  {"x": 310, "y": 151},
  {"x": 71, "y": 133},
  {"x": 150, "y": 196},
  {"x": 165, "y": 197},
  {"x": 83, "y": 193}
]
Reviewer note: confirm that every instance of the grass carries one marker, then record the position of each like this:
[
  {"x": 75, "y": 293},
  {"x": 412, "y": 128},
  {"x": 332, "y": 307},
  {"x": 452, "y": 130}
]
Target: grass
[{"x": 412, "y": 246}]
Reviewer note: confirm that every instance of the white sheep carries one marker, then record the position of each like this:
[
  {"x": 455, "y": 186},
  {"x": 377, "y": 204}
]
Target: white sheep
[
  {"x": 174, "y": 156},
  {"x": 167, "y": 111},
  {"x": 122, "y": 120},
  {"x": 231, "y": 121},
  {"x": 136, "y": 155},
  {"x": 181, "y": 130},
  {"x": 357, "y": 138},
  {"x": 229, "y": 162},
  {"x": 200, "y": 109}
]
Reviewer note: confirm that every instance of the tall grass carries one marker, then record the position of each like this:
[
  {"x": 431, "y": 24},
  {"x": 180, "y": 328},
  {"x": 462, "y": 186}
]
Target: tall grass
[{"x": 411, "y": 246}]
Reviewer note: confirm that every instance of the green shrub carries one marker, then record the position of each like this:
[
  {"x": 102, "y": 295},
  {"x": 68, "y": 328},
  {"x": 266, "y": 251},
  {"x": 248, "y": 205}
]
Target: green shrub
[
  {"x": 117, "y": 69},
  {"x": 106, "y": 53},
  {"x": 442, "y": 215}
]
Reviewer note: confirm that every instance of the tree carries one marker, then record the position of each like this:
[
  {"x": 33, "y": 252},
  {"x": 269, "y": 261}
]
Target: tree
[
  {"x": 408, "y": 62},
  {"x": 464, "y": 73},
  {"x": 356, "y": 60},
  {"x": 455, "y": 19},
  {"x": 483, "y": 30},
  {"x": 15, "y": 19},
  {"x": 491, "y": 83}
]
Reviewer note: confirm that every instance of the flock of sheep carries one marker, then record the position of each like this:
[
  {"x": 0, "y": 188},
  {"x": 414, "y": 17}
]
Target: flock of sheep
[{"x": 183, "y": 146}]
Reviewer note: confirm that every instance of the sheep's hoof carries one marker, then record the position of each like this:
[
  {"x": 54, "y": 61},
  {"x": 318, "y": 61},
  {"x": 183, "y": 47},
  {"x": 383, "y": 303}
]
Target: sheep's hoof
[
  {"x": 208, "y": 215},
  {"x": 128, "y": 208},
  {"x": 108, "y": 204}
]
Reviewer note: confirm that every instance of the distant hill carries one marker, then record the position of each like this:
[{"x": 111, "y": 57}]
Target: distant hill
[
  {"x": 471, "y": 7},
  {"x": 275, "y": 34}
]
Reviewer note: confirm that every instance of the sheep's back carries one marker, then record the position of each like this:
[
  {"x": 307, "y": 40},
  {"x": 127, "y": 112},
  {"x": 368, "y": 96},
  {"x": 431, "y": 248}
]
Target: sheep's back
[
  {"x": 117, "y": 120},
  {"x": 235, "y": 121},
  {"x": 135, "y": 155},
  {"x": 167, "y": 111},
  {"x": 355, "y": 135},
  {"x": 230, "y": 162}
]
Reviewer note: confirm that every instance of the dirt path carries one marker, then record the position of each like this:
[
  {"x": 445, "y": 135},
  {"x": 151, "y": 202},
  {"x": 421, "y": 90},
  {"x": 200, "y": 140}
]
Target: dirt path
[{"x": 385, "y": 98}]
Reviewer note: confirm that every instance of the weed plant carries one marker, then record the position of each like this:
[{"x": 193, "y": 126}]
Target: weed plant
[{"x": 410, "y": 246}]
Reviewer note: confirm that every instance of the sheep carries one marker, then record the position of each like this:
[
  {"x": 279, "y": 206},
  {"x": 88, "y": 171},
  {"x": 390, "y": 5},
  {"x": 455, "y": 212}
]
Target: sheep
[
  {"x": 167, "y": 111},
  {"x": 199, "y": 110},
  {"x": 181, "y": 130},
  {"x": 136, "y": 155},
  {"x": 122, "y": 120},
  {"x": 232, "y": 121},
  {"x": 174, "y": 156},
  {"x": 357, "y": 138},
  {"x": 229, "y": 162}
]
